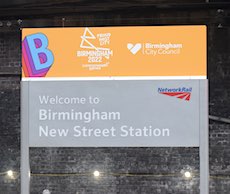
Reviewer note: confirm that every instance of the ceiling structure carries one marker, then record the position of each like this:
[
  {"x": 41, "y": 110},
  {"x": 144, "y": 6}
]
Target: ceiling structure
[{"x": 34, "y": 8}]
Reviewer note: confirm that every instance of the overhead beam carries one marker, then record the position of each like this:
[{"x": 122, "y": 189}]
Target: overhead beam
[{"x": 48, "y": 10}]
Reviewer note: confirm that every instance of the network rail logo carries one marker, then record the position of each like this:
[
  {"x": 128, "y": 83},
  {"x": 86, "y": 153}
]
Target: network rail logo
[
  {"x": 36, "y": 57},
  {"x": 181, "y": 92}
]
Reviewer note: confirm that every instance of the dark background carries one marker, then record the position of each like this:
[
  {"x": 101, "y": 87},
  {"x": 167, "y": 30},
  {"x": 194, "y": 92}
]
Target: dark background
[{"x": 142, "y": 163}]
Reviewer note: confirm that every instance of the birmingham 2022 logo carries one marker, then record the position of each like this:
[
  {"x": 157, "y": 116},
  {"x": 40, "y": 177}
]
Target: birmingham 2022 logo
[{"x": 36, "y": 57}]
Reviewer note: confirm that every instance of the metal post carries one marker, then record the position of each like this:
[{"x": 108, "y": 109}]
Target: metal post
[
  {"x": 204, "y": 139},
  {"x": 25, "y": 167}
]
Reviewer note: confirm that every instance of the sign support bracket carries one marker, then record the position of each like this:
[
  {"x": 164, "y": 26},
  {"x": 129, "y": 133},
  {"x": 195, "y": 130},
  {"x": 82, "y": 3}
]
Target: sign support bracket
[{"x": 204, "y": 140}]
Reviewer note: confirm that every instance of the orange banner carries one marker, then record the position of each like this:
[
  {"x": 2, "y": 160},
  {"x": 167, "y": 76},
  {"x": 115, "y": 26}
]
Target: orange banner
[{"x": 114, "y": 51}]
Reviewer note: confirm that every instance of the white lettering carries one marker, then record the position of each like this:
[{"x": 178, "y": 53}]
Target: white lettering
[{"x": 52, "y": 132}]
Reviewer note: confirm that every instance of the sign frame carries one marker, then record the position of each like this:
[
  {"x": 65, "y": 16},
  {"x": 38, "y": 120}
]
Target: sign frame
[{"x": 203, "y": 139}]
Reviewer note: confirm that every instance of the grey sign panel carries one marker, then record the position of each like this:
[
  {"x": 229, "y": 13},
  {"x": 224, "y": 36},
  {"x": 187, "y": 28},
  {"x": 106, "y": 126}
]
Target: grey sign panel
[{"x": 146, "y": 113}]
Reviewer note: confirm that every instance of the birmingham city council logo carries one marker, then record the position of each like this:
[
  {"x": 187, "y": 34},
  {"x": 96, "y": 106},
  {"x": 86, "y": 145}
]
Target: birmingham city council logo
[
  {"x": 134, "y": 48},
  {"x": 36, "y": 57}
]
